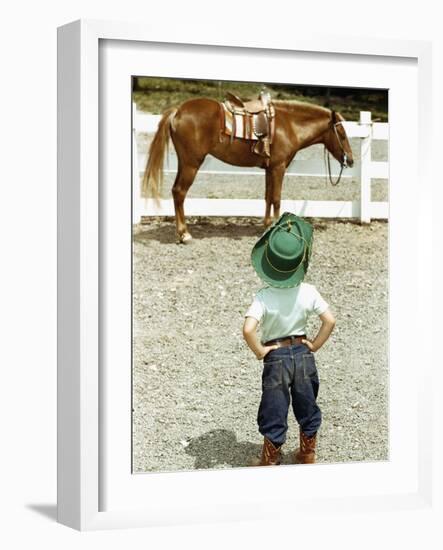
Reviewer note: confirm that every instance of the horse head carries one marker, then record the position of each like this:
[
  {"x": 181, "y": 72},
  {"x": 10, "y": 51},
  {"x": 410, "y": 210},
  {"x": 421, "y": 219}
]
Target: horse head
[{"x": 336, "y": 141}]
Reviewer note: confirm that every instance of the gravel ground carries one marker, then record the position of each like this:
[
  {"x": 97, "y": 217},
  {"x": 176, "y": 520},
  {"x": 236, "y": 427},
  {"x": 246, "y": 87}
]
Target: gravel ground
[{"x": 196, "y": 386}]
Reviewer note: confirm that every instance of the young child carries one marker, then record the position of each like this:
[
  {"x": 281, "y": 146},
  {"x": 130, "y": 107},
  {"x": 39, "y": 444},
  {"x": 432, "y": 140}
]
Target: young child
[{"x": 280, "y": 258}]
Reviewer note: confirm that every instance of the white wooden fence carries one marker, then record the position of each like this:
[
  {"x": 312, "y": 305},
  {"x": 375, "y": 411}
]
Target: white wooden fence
[{"x": 364, "y": 170}]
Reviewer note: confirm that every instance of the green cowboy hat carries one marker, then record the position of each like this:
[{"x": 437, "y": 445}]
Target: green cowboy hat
[{"x": 281, "y": 255}]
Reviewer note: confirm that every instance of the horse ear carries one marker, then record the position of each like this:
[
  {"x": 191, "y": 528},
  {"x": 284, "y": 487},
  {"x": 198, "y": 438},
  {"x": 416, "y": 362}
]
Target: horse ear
[{"x": 333, "y": 116}]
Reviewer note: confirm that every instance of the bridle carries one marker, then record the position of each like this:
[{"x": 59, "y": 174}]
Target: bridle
[{"x": 344, "y": 163}]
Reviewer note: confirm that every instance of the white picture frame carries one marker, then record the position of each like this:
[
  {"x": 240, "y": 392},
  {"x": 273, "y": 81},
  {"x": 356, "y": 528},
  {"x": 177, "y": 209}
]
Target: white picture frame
[{"x": 81, "y": 395}]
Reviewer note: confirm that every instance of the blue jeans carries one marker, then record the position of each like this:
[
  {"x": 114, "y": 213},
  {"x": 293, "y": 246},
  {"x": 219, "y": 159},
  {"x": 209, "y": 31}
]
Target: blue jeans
[{"x": 289, "y": 374}]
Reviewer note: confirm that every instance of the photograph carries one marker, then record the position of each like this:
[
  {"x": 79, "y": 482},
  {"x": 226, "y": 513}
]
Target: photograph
[{"x": 260, "y": 274}]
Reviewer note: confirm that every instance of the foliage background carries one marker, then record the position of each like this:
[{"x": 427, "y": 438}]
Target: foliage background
[{"x": 154, "y": 95}]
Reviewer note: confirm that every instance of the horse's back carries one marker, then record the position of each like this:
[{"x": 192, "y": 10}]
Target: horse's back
[{"x": 200, "y": 104}]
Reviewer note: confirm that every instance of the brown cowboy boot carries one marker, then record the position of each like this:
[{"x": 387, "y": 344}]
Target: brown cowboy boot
[
  {"x": 305, "y": 454},
  {"x": 270, "y": 455}
]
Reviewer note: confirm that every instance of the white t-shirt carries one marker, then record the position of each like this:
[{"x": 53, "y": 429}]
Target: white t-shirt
[{"x": 285, "y": 311}]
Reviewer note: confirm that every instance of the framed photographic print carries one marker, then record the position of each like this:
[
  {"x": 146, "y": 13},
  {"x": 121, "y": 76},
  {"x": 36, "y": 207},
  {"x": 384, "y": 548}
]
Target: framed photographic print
[
  {"x": 158, "y": 391},
  {"x": 188, "y": 304}
]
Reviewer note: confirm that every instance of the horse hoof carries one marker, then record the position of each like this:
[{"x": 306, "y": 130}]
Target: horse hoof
[{"x": 186, "y": 238}]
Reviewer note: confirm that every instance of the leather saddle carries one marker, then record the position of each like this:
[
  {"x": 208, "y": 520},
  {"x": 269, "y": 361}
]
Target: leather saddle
[
  {"x": 252, "y": 107},
  {"x": 257, "y": 116}
]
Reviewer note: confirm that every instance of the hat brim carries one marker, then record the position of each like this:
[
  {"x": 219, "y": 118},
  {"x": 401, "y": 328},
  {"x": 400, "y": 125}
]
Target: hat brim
[{"x": 267, "y": 272}]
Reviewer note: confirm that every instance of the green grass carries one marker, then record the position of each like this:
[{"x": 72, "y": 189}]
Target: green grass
[{"x": 155, "y": 95}]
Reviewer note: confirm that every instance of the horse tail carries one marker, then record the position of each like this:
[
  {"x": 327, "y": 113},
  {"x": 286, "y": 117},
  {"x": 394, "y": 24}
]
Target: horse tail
[{"x": 153, "y": 176}]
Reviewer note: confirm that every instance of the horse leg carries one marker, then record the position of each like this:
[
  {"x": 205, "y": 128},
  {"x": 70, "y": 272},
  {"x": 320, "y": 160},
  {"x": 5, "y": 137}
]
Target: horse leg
[
  {"x": 268, "y": 198},
  {"x": 183, "y": 181},
  {"x": 276, "y": 182}
]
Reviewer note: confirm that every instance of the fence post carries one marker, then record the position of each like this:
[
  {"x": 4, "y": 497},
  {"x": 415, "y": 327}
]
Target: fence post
[
  {"x": 365, "y": 168},
  {"x": 136, "y": 190}
]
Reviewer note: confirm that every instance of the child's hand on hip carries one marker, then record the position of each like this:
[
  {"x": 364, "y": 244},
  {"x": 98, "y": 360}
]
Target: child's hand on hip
[
  {"x": 264, "y": 350},
  {"x": 309, "y": 344}
]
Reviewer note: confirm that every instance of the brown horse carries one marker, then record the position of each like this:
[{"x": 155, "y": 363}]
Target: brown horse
[{"x": 195, "y": 128}]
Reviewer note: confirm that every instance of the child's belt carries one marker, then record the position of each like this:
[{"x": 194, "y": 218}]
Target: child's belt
[{"x": 287, "y": 341}]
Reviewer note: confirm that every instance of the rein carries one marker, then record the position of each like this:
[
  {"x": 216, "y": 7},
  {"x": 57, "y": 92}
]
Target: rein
[
  {"x": 337, "y": 181},
  {"x": 328, "y": 159}
]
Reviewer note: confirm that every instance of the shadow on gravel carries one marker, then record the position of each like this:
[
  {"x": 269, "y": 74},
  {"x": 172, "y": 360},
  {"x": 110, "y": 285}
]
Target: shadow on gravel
[
  {"x": 164, "y": 231},
  {"x": 221, "y": 448},
  {"x": 165, "y": 234}
]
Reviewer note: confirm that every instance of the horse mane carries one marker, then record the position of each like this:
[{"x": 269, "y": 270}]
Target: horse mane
[{"x": 301, "y": 108}]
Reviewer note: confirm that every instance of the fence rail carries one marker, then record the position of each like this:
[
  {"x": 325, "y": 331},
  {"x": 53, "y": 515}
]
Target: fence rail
[{"x": 364, "y": 170}]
